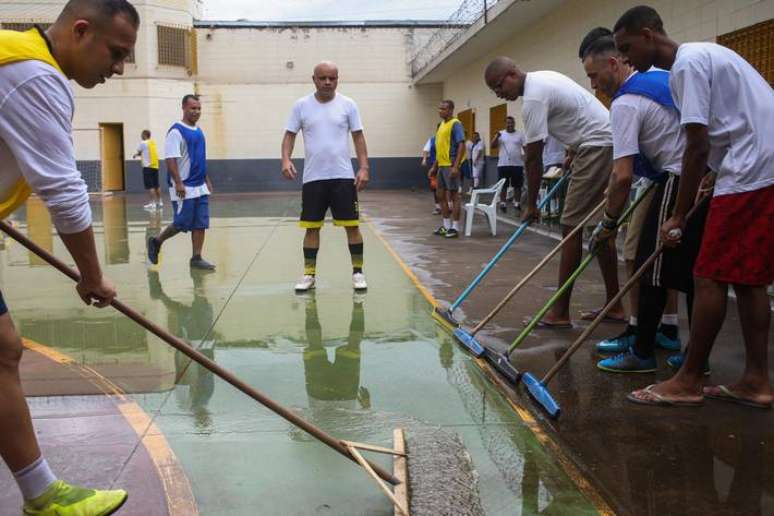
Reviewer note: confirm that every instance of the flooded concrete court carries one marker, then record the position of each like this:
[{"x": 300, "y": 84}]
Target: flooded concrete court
[{"x": 356, "y": 365}]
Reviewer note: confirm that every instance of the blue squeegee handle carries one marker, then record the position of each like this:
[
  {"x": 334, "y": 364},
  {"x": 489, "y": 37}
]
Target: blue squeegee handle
[
  {"x": 507, "y": 245},
  {"x": 567, "y": 284}
]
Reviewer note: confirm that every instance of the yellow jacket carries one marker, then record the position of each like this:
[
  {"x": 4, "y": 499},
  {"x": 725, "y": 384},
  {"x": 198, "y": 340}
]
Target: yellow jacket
[{"x": 14, "y": 47}]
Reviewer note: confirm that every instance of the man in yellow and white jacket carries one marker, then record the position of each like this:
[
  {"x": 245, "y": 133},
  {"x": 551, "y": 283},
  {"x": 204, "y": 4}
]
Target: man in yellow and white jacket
[{"x": 88, "y": 43}]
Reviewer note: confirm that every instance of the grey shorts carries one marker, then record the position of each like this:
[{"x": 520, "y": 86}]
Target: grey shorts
[
  {"x": 634, "y": 228},
  {"x": 590, "y": 173},
  {"x": 446, "y": 181}
]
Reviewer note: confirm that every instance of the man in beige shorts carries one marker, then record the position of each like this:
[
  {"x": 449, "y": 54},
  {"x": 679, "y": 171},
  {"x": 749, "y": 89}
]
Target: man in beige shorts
[{"x": 553, "y": 104}]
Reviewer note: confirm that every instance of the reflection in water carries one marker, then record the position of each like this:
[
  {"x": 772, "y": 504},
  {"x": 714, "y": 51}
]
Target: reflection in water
[
  {"x": 336, "y": 398},
  {"x": 195, "y": 384},
  {"x": 115, "y": 229},
  {"x": 511, "y": 448},
  {"x": 334, "y": 383}
]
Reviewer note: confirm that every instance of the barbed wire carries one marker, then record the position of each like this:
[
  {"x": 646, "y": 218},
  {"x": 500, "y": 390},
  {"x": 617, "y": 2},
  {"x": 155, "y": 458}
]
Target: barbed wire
[{"x": 468, "y": 13}]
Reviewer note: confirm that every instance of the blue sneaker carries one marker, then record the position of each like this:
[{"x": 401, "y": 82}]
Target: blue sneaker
[
  {"x": 676, "y": 362},
  {"x": 628, "y": 363},
  {"x": 619, "y": 344},
  {"x": 666, "y": 343}
]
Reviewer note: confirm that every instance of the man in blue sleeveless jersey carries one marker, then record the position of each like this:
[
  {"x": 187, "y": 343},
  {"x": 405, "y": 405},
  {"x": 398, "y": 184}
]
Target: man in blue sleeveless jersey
[
  {"x": 189, "y": 186},
  {"x": 647, "y": 142}
]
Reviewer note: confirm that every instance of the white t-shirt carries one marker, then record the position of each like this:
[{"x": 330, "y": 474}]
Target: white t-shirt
[
  {"x": 555, "y": 105},
  {"x": 477, "y": 154},
  {"x": 175, "y": 147},
  {"x": 553, "y": 152},
  {"x": 144, "y": 152},
  {"x": 326, "y": 127},
  {"x": 509, "y": 149},
  {"x": 643, "y": 126},
  {"x": 36, "y": 110},
  {"x": 714, "y": 86}
]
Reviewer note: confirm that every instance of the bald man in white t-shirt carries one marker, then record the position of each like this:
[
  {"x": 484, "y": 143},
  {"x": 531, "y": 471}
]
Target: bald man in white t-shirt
[
  {"x": 555, "y": 105},
  {"x": 326, "y": 119}
]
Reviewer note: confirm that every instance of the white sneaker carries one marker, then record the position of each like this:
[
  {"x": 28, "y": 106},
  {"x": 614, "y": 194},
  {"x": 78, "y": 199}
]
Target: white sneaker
[
  {"x": 160, "y": 204},
  {"x": 150, "y": 206},
  {"x": 359, "y": 281},
  {"x": 306, "y": 284}
]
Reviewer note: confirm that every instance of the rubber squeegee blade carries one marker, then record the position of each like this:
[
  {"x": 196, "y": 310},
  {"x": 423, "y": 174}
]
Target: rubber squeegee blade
[
  {"x": 503, "y": 365},
  {"x": 540, "y": 394},
  {"x": 446, "y": 318},
  {"x": 469, "y": 341}
]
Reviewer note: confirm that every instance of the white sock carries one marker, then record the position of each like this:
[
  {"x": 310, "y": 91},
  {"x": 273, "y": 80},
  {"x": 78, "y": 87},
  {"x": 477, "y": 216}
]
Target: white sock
[
  {"x": 34, "y": 479},
  {"x": 437, "y": 206},
  {"x": 669, "y": 319},
  {"x": 456, "y": 225},
  {"x": 447, "y": 223},
  {"x": 632, "y": 321}
]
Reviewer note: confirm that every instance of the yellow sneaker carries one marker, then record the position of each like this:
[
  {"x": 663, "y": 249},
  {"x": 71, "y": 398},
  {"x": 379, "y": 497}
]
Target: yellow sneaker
[{"x": 62, "y": 499}]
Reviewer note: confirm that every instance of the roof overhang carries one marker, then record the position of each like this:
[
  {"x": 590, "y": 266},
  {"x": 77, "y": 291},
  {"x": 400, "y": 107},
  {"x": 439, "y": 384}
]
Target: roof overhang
[{"x": 504, "y": 19}]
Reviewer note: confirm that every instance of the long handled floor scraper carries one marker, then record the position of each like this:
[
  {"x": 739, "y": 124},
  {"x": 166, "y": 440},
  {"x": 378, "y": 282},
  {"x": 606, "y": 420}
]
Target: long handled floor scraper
[
  {"x": 446, "y": 317},
  {"x": 538, "y": 389},
  {"x": 501, "y": 361},
  {"x": 418, "y": 460},
  {"x": 468, "y": 338}
]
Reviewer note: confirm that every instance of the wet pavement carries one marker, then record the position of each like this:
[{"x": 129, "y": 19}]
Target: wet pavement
[
  {"x": 356, "y": 365},
  {"x": 718, "y": 459}
]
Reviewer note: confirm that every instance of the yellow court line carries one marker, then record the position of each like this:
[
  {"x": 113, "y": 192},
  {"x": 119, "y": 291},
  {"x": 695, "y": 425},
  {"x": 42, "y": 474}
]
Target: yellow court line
[
  {"x": 572, "y": 471},
  {"x": 177, "y": 488}
]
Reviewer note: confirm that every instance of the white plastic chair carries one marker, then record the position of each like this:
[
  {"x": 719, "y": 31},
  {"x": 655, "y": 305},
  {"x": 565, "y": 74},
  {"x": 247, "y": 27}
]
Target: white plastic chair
[{"x": 490, "y": 210}]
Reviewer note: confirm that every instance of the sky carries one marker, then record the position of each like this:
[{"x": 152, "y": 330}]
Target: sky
[{"x": 329, "y": 10}]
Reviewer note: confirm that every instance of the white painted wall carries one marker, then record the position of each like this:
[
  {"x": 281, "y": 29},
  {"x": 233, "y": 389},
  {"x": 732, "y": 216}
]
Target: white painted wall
[
  {"x": 249, "y": 79},
  {"x": 552, "y": 43}
]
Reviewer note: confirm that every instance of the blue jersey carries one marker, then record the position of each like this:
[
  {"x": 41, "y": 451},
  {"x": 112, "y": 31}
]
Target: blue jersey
[
  {"x": 654, "y": 85},
  {"x": 190, "y": 152}
]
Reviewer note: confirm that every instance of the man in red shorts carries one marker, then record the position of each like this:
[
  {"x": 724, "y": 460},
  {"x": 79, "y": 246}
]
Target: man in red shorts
[{"x": 727, "y": 113}]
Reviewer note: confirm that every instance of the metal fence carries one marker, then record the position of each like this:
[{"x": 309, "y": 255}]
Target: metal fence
[{"x": 468, "y": 13}]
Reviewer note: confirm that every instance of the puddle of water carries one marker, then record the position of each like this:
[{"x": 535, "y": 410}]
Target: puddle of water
[{"x": 355, "y": 365}]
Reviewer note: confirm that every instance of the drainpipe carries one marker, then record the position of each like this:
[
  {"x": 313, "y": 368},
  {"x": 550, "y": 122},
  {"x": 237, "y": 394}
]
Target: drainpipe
[{"x": 486, "y": 20}]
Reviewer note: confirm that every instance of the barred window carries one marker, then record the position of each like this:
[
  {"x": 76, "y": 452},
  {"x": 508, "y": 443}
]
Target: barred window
[
  {"x": 756, "y": 44},
  {"x": 173, "y": 46}
]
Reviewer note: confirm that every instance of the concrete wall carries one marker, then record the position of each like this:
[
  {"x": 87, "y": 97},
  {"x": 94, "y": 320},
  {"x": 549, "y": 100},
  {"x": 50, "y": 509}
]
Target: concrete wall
[
  {"x": 248, "y": 79},
  {"x": 552, "y": 43}
]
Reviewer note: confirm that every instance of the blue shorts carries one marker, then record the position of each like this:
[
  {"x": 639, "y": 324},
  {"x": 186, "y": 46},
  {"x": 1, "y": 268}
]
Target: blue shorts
[
  {"x": 194, "y": 215},
  {"x": 3, "y": 307}
]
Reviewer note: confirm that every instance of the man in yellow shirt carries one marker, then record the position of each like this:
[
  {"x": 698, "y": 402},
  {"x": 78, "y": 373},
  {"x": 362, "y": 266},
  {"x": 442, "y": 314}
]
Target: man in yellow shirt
[
  {"x": 88, "y": 43},
  {"x": 149, "y": 154},
  {"x": 449, "y": 155}
]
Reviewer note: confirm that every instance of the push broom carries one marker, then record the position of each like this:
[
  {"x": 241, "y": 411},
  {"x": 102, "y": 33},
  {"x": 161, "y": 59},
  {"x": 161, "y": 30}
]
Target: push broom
[
  {"x": 538, "y": 389},
  {"x": 446, "y": 317},
  {"x": 468, "y": 338},
  {"x": 501, "y": 361},
  {"x": 345, "y": 448}
]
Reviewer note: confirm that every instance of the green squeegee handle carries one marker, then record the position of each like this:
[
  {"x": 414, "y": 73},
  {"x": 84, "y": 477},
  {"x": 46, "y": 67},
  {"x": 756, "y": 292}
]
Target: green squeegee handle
[
  {"x": 198, "y": 357},
  {"x": 567, "y": 284}
]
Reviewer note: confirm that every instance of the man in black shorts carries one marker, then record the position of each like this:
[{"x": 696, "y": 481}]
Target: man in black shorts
[
  {"x": 326, "y": 119},
  {"x": 510, "y": 163},
  {"x": 148, "y": 152}
]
